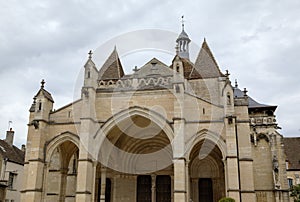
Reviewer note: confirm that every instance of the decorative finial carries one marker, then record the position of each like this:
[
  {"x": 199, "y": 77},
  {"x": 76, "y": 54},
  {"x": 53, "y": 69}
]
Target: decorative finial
[
  {"x": 182, "y": 22},
  {"x": 236, "y": 84},
  {"x": 90, "y": 54},
  {"x": 135, "y": 69},
  {"x": 177, "y": 49},
  {"x": 42, "y": 83},
  {"x": 227, "y": 73},
  {"x": 245, "y": 92},
  {"x": 204, "y": 40}
]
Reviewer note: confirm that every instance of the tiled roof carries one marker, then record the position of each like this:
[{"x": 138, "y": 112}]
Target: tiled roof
[
  {"x": 112, "y": 68},
  {"x": 12, "y": 153},
  {"x": 292, "y": 151},
  {"x": 205, "y": 64}
]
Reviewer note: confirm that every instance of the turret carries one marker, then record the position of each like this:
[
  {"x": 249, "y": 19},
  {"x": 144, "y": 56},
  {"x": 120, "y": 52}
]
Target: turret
[
  {"x": 42, "y": 105},
  {"x": 90, "y": 72},
  {"x": 183, "y": 41}
]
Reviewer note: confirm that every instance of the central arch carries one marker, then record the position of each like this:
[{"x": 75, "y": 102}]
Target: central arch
[{"x": 137, "y": 145}]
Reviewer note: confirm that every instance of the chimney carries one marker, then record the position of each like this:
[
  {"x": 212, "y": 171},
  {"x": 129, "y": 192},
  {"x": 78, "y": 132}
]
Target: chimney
[
  {"x": 10, "y": 137},
  {"x": 23, "y": 148}
]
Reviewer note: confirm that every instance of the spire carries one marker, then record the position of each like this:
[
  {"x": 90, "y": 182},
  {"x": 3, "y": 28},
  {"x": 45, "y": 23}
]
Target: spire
[
  {"x": 206, "y": 64},
  {"x": 183, "y": 41},
  {"x": 43, "y": 92},
  {"x": 112, "y": 67}
]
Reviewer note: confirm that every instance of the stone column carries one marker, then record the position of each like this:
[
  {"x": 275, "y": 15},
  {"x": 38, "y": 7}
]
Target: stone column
[
  {"x": 63, "y": 183},
  {"x": 94, "y": 180},
  {"x": 85, "y": 177},
  {"x": 188, "y": 183},
  {"x": 179, "y": 180},
  {"x": 103, "y": 184},
  {"x": 153, "y": 188}
]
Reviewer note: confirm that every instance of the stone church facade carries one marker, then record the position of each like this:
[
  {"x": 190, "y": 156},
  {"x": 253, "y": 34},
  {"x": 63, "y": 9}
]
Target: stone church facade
[{"x": 166, "y": 133}]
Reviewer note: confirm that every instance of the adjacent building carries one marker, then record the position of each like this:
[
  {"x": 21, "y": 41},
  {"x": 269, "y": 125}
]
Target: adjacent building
[
  {"x": 292, "y": 150},
  {"x": 11, "y": 169}
]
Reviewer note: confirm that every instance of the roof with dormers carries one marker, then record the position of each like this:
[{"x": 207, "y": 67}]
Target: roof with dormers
[
  {"x": 112, "y": 68},
  {"x": 11, "y": 153}
]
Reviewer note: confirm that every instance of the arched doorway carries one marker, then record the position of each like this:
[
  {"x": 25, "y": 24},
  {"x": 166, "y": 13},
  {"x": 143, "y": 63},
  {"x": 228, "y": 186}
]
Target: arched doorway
[
  {"x": 137, "y": 155},
  {"x": 206, "y": 168},
  {"x": 61, "y": 173}
]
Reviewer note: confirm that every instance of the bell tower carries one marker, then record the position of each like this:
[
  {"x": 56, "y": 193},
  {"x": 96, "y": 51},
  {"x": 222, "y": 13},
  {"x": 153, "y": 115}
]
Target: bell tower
[{"x": 183, "y": 41}]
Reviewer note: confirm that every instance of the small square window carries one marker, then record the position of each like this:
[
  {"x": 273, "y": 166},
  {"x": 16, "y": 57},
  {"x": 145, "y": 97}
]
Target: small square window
[{"x": 11, "y": 180}]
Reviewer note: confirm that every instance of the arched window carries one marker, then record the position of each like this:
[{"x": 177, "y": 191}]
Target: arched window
[{"x": 228, "y": 99}]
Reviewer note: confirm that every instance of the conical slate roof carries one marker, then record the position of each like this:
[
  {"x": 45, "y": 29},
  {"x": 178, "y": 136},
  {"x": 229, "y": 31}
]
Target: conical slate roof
[
  {"x": 183, "y": 35},
  {"x": 206, "y": 65},
  {"x": 112, "y": 68}
]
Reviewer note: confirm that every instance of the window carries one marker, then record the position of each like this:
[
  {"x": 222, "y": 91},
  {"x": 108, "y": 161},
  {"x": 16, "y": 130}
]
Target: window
[
  {"x": 11, "y": 180},
  {"x": 228, "y": 99},
  {"x": 40, "y": 106},
  {"x": 107, "y": 190},
  {"x": 143, "y": 188},
  {"x": 290, "y": 182}
]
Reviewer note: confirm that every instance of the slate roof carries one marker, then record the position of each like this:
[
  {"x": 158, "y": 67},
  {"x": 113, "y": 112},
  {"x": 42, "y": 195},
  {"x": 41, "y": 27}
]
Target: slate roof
[
  {"x": 205, "y": 64},
  {"x": 12, "y": 153},
  {"x": 183, "y": 35},
  {"x": 253, "y": 104},
  {"x": 292, "y": 151},
  {"x": 112, "y": 68}
]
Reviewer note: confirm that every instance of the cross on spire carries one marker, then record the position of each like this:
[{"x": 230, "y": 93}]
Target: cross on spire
[
  {"x": 90, "y": 54},
  {"x": 135, "y": 69},
  {"x": 42, "y": 83}
]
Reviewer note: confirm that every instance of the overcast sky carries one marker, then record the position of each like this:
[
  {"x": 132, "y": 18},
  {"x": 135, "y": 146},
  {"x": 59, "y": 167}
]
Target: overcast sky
[{"x": 257, "y": 41}]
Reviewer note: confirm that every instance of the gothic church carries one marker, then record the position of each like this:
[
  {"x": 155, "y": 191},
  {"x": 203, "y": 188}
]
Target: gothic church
[{"x": 180, "y": 132}]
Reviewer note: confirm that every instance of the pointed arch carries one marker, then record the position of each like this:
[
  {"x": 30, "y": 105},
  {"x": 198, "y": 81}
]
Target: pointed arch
[
  {"x": 53, "y": 143},
  {"x": 203, "y": 135},
  {"x": 155, "y": 117}
]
